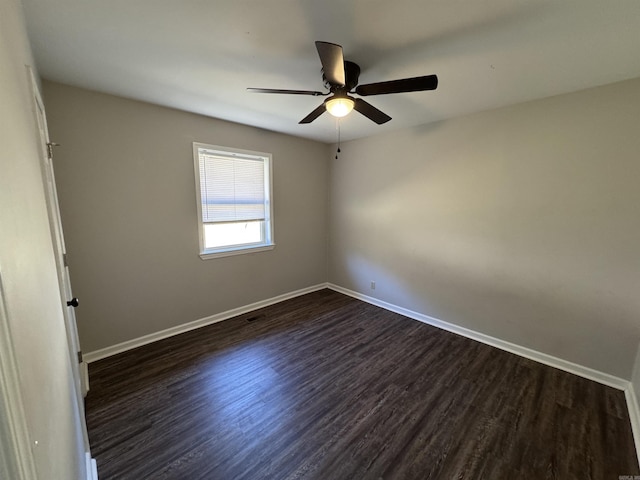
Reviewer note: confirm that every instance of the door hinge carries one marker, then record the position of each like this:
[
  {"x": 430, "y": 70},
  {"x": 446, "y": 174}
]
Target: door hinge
[
  {"x": 50, "y": 146},
  {"x": 64, "y": 260},
  {"x": 80, "y": 356}
]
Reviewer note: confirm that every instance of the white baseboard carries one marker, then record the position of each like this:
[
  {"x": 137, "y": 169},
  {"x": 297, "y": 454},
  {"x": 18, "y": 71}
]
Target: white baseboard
[
  {"x": 634, "y": 415},
  {"x": 529, "y": 353},
  {"x": 186, "y": 327},
  {"x": 92, "y": 467}
]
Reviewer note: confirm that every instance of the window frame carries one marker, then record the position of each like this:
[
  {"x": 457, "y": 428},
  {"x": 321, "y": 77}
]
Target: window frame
[{"x": 269, "y": 242}]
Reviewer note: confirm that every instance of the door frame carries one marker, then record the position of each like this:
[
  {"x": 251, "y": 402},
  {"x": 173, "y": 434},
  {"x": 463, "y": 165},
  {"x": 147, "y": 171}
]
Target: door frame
[{"x": 16, "y": 459}]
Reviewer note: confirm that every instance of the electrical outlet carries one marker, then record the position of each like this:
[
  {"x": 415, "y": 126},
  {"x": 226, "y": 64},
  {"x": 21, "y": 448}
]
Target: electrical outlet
[{"x": 373, "y": 285}]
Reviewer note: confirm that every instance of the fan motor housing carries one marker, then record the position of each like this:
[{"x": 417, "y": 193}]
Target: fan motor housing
[{"x": 351, "y": 75}]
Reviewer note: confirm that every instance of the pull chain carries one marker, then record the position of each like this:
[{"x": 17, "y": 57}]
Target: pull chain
[{"x": 338, "y": 124}]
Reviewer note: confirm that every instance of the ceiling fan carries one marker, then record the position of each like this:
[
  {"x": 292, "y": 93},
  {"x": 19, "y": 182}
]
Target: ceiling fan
[{"x": 341, "y": 78}]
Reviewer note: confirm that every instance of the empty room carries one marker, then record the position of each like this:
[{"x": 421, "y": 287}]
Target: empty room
[{"x": 337, "y": 240}]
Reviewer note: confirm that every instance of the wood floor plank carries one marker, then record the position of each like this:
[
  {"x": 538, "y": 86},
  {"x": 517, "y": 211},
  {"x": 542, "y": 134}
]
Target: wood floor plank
[{"x": 327, "y": 387}]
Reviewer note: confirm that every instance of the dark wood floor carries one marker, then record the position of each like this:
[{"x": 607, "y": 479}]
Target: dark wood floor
[{"x": 326, "y": 387}]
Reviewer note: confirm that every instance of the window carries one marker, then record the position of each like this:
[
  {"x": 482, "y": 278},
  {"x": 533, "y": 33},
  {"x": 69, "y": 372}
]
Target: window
[{"x": 233, "y": 189}]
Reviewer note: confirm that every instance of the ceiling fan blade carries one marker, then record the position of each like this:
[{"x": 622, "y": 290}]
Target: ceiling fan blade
[
  {"x": 313, "y": 115},
  {"x": 332, "y": 62},
  {"x": 371, "y": 112},
  {"x": 290, "y": 92},
  {"x": 415, "y": 84}
]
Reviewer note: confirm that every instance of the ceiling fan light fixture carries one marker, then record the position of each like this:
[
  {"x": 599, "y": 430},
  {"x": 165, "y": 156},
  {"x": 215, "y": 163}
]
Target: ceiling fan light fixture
[
  {"x": 341, "y": 76},
  {"x": 339, "y": 106}
]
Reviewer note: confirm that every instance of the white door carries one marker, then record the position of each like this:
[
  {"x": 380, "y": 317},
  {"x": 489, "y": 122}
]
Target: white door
[{"x": 78, "y": 366}]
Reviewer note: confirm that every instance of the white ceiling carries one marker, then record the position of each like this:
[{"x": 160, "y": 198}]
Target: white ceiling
[{"x": 200, "y": 55}]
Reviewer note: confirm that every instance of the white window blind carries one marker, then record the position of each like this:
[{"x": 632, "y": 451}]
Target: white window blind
[{"x": 232, "y": 188}]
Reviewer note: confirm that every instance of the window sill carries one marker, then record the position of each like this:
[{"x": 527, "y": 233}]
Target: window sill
[{"x": 236, "y": 251}]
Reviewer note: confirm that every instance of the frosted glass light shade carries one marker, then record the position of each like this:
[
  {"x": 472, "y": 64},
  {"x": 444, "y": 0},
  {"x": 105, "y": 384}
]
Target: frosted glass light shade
[{"x": 339, "y": 106}]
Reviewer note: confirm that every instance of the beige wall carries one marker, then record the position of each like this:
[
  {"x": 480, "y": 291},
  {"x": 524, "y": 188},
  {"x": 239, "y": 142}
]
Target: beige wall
[
  {"x": 521, "y": 223},
  {"x": 127, "y": 194},
  {"x": 28, "y": 274}
]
